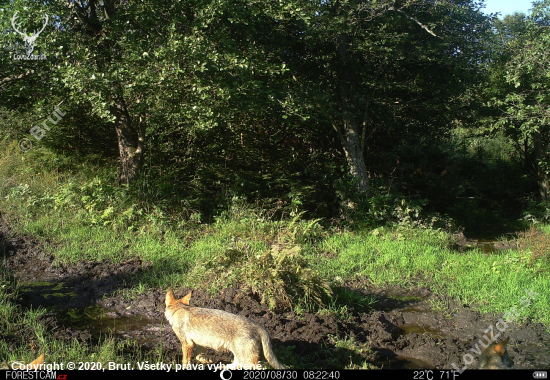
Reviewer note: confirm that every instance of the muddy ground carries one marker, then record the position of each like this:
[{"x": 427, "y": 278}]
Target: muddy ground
[{"x": 406, "y": 328}]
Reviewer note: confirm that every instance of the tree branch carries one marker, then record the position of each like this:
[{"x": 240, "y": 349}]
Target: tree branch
[
  {"x": 109, "y": 9},
  {"x": 6, "y": 80},
  {"x": 89, "y": 20},
  {"x": 415, "y": 20}
]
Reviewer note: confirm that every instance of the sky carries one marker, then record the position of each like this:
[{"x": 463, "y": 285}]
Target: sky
[{"x": 507, "y": 6}]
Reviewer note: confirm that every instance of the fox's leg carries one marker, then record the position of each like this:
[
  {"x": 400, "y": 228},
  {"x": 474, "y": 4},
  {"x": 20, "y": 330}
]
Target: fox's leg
[
  {"x": 201, "y": 357},
  {"x": 255, "y": 363},
  {"x": 244, "y": 363},
  {"x": 187, "y": 349}
]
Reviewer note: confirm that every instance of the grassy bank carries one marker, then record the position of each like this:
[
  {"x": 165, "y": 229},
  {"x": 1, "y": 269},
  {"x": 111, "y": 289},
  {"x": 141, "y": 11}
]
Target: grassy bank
[
  {"x": 70, "y": 210},
  {"x": 291, "y": 263},
  {"x": 423, "y": 257}
]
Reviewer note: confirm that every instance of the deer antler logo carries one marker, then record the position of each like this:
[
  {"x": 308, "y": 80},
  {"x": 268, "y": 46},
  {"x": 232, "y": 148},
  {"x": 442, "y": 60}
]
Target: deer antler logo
[{"x": 29, "y": 40}]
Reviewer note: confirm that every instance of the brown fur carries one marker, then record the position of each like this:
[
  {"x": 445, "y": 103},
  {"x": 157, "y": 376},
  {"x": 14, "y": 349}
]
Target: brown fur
[
  {"x": 219, "y": 330},
  {"x": 495, "y": 357},
  {"x": 33, "y": 365}
]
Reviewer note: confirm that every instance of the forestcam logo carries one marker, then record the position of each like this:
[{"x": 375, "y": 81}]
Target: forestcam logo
[{"x": 29, "y": 40}]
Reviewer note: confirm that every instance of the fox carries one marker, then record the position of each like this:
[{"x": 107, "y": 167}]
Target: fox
[
  {"x": 33, "y": 365},
  {"x": 495, "y": 357},
  {"x": 219, "y": 330}
]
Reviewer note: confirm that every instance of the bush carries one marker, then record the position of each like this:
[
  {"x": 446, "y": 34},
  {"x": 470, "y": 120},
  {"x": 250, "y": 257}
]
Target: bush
[{"x": 280, "y": 276}]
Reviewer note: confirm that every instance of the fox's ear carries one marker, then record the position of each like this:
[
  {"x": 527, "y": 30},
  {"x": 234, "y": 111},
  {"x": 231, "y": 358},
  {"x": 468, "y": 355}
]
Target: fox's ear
[
  {"x": 37, "y": 362},
  {"x": 169, "y": 297},
  {"x": 185, "y": 300},
  {"x": 501, "y": 347}
]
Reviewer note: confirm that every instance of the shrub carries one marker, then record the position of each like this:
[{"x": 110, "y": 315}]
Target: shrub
[{"x": 280, "y": 276}]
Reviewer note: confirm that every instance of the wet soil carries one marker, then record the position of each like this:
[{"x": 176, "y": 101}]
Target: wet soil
[
  {"x": 487, "y": 243},
  {"x": 406, "y": 328}
]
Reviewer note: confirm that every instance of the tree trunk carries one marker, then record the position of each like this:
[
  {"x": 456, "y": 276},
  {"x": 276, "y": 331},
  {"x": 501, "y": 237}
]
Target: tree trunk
[
  {"x": 130, "y": 143},
  {"x": 542, "y": 157},
  {"x": 353, "y": 148},
  {"x": 130, "y": 140},
  {"x": 351, "y": 134},
  {"x": 526, "y": 160}
]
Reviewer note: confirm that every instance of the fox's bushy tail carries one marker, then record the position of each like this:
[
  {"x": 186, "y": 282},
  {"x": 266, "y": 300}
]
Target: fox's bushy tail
[{"x": 268, "y": 350}]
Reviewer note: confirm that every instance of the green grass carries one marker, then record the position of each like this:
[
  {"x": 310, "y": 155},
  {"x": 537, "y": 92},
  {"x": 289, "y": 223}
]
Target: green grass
[
  {"x": 495, "y": 282},
  {"x": 189, "y": 256},
  {"x": 290, "y": 263}
]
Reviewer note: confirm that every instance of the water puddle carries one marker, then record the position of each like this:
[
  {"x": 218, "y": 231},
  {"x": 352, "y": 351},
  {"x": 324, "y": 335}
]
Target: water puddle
[
  {"x": 393, "y": 361},
  {"x": 415, "y": 310},
  {"x": 61, "y": 301},
  {"x": 99, "y": 320},
  {"x": 46, "y": 294},
  {"x": 487, "y": 246},
  {"x": 77, "y": 312}
]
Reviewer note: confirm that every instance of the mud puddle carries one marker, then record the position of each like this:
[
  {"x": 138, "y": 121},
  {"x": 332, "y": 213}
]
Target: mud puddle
[
  {"x": 401, "y": 328},
  {"x": 486, "y": 244},
  {"x": 99, "y": 320},
  {"x": 57, "y": 299},
  {"x": 420, "y": 329}
]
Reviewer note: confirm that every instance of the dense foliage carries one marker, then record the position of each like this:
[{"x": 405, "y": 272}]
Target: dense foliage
[{"x": 373, "y": 109}]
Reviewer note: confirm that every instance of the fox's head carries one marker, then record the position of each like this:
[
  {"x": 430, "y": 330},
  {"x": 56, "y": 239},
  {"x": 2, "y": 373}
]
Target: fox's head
[
  {"x": 500, "y": 349},
  {"x": 172, "y": 304},
  {"x": 170, "y": 299}
]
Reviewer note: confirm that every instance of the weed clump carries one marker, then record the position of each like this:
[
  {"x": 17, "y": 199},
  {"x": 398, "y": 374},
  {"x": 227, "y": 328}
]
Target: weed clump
[
  {"x": 280, "y": 276},
  {"x": 351, "y": 354},
  {"x": 537, "y": 242}
]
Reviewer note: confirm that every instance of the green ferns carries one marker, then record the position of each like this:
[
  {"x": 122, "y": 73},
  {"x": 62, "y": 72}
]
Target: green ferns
[{"x": 279, "y": 276}]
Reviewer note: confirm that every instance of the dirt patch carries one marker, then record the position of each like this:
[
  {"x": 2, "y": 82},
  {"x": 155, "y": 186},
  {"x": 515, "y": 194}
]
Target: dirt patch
[
  {"x": 411, "y": 328},
  {"x": 63, "y": 286}
]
